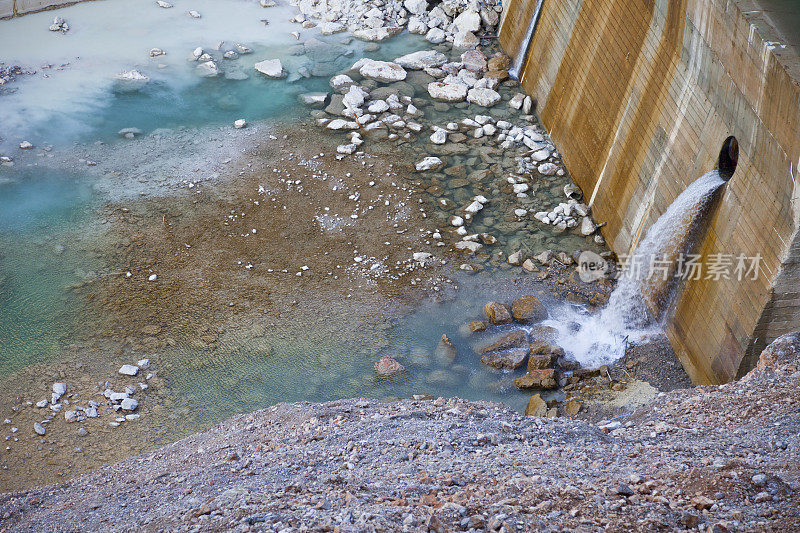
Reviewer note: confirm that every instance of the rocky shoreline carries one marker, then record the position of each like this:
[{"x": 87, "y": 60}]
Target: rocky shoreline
[{"x": 711, "y": 459}]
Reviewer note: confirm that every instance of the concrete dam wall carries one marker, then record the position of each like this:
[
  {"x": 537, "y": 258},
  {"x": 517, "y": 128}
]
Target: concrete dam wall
[
  {"x": 639, "y": 96},
  {"x": 11, "y": 8}
]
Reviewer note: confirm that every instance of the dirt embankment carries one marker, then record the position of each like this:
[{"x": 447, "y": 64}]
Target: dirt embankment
[{"x": 719, "y": 458}]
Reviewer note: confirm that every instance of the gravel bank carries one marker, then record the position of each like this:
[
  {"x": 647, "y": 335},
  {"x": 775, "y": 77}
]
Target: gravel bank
[{"x": 718, "y": 458}]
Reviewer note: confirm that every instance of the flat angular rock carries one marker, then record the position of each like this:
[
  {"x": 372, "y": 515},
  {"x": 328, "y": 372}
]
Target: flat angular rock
[
  {"x": 508, "y": 359},
  {"x": 271, "y": 68},
  {"x": 514, "y": 339},
  {"x": 483, "y": 97},
  {"x": 422, "y": 59},
  {"x": 383, "y": 71},
  {"x": 447, "y": 92},
  {"x": 128, "y": 370}
]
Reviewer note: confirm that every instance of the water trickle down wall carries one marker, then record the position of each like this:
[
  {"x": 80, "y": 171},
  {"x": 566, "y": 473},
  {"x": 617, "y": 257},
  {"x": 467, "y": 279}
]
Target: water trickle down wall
[{"x": 639, "y": 96}]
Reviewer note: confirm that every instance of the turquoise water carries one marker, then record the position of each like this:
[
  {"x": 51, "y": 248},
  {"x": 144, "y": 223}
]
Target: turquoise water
[
  {"x": 39, "y": 213},
  {"x": 178, "y": 97},
  {"x": 297, "y": 365}
]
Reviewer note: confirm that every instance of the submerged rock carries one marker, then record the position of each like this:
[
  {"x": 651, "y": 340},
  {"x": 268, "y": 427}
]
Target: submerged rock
[
  {"x": 508, "y": 360},
  {"x": 376, "y": 34},
  {"x": 528, "y": 308},
  {"x": 208, "y": 69},
  {"x": 514, "y": 339},
  {"x": 497, "y": 313},
  {"x": 445, "y": 350},
  {"x": 387, "y": 366}
]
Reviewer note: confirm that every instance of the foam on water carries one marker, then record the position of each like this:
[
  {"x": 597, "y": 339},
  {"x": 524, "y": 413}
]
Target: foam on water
[{"x": 601, "y": 338}]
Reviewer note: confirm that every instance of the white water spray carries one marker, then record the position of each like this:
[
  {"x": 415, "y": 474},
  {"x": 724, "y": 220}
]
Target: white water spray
[{"x": 644, "y": 292}]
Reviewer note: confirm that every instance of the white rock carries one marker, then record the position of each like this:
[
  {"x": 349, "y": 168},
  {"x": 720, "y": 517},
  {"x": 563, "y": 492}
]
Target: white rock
[
  {"x": 376, "y": 34},
  {"x": 429, "y": 163},
  {"x": 473, "y": 208},
  {"x": 540, "y": 155},
  {"x": 42, "y": 404},
  {"x": 521, "y": 187},
  {"x": 143, "y": 363},
  {"x": 468, "y": 246},
  {"x": 71, "y": 416},
  {"x": 267, "y": 3},
  {"x": 456, "y": 221},
  {"x": 346, "y": 148},
  {"x": 117, "y": 396},
  {"x": 547, "y": 169},
  {"x": 468, "y": 21},
  {"x": 465, "y": 39},
  {"x": 483, "y": 97},
  {"x": 341, "y": 82},
  {"x": 516, "y": 101},
  {"x": 208, "y": 69},
  {"x": 155, "y": 52},
  {"x": 152, "y": 277},
  {"x": 422, "y": 256},
  {"x": 417, "y": 26},
  {"x": 132, "y": 75},
  {"x": 435, "y": 36},
  {"x": 383, "y": 71},
  {"x": 330, "y": 28},
  {"x": 355, "y": 97},
  {"x": 271, "y": 68},
  {"x": 194, "y": 14},
  {"x": 439, "y": 137},
  {"x": 129, "y": 404},
  {"x": 448, "y": 92},
  {"x": 417, "y": 7},
  {"x": 39, "y": 429},
  {"x": 587, "y": 226},
  {"x": 378, "y": 106},
  {"x": 165, "y": 5},
  {"x": 59, "y": 388},
  {"x": 128, "y": 370},
  {"x": 239, "y": 124},
  {"x": 422, "y": 59}
]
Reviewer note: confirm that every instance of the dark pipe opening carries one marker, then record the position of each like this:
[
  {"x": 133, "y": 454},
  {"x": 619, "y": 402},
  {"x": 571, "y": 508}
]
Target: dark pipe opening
[{"x": 728, "y": 158}]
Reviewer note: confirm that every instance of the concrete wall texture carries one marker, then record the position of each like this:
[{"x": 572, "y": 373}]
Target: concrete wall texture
[{"x": 639, "y": 96}]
